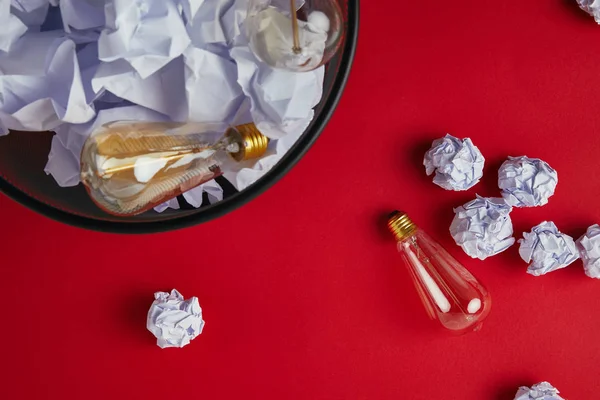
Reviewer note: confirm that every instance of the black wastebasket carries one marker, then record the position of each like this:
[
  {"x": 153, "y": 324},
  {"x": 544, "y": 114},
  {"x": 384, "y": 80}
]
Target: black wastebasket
[{"x": 23, "y": 156}]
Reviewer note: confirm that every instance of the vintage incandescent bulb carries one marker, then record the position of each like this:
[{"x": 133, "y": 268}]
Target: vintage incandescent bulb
[
  {"x": 299, "y": 40},
  {"x": 449, "y": 292},
  {"x": 131, "y": 167}
]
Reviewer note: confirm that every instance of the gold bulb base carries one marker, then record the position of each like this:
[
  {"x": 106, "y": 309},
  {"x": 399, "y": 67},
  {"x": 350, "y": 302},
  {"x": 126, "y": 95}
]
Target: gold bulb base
[
  {"x": 400, "y": 225},
  {"x": 253, "y": 144}
]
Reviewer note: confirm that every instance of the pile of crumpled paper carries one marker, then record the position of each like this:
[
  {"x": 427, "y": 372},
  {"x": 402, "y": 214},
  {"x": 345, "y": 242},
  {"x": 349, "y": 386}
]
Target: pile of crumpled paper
[{"x": 70, "y": 66}]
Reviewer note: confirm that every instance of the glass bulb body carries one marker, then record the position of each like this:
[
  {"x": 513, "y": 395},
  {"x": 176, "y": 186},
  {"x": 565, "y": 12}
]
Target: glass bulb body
[
  {"x": 449, "y": 292},
  {"x": 129, "y": 167},
  {"x": 297, "y": 41}
]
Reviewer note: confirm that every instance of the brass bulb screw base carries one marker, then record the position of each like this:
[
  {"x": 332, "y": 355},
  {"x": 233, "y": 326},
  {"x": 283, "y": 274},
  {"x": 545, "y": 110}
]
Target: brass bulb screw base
[
  {"x": 400, "y": 225},
  {"x": 253, "y": 144}
]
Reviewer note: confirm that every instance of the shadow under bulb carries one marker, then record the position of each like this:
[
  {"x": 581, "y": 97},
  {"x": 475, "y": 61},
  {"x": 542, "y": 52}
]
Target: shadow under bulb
[
  {"x": 131, "y": 167},
  {"x": 295, "y": 35},
  {"x": 449, "y": 292}
]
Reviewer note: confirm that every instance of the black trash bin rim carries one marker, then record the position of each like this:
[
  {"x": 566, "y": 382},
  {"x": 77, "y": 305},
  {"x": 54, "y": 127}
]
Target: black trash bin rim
[{"x": 235, "y": 201}]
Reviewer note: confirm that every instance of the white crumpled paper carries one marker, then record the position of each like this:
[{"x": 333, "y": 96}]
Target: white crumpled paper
[
  {"x": 174, "y": 321},
  {"x": 483, "y": 227},
  {"x": 589, "y": 250},
  {"x": 41, "y": 84},
  {"x": 547, "y": 249},
  {"x": 457, "y": 163},
  {"x": 12, "y": 27},
  {"x": 592, "y": 7},
  {"x": 526, "y": 182},
  {"x": 146, "y": 34},
  {"x": 31, "y": 13},
  {"x": 81, "y": 14},
  {"x": 180, "y": 60},
  {"x": 540, "y": 391}
]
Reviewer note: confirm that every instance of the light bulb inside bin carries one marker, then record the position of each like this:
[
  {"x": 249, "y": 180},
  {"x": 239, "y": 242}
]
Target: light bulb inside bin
[
  {"x": 131, "y": 167},
  {"x": 295, "y": 35}
]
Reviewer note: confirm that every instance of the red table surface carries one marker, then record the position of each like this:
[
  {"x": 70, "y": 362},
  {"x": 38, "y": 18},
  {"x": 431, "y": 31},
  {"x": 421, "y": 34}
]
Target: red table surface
[{"x": 304, "y": 294}]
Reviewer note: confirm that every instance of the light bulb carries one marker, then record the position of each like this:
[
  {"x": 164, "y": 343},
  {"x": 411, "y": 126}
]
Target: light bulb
[
  {"x": 449, "y": 292},
  {"x": 300, "y": 40},
  {"x": 131, "y": 167}
]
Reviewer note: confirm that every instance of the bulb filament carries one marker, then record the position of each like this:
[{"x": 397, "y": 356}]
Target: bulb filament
[
  {"x": 438, "y": 296},
  {"x": 296, "y": 49}
]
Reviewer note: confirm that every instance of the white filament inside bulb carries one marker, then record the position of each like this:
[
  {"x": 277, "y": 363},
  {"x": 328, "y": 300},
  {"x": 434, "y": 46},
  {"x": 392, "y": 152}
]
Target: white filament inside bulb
[
  {"x": 474, "y": 306},
  {"x": 432, "y": 287}
]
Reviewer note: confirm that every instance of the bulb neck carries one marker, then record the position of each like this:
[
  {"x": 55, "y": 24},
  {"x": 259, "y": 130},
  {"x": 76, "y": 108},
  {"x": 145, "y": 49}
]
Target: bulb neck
[
  {"x": 251, "y": 143},
  {"x": 400, "y": 225}
]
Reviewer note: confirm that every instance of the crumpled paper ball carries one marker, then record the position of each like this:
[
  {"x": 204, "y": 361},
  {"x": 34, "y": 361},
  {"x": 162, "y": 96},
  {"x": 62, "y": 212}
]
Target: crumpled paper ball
[
  {"x": 592, "y": 7},
  {"x": 174, "y": 321},
  {"x": 457, "y": 163},
  {"x": 540, "y": 391},
  {"x": 526, "y": 182},
  {"x": 547, "y": 249},
  {"x": 589, "y": 249},
  {"x": 483, "y": 227}
]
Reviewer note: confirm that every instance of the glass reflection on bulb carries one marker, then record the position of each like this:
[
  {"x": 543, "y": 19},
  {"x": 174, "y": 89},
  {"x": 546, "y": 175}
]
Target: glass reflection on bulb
[{"x": 297, "y": 41}]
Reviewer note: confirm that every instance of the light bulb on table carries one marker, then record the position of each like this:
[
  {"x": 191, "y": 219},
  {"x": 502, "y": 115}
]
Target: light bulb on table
[
  {"x": 131, "y": 167},
  {"x": 295, "y": 35},
  {"x": 449, "y": 292}
]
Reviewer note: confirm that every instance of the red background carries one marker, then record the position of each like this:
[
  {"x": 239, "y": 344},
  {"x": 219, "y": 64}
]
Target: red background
[{"x": 312, "y": 302}]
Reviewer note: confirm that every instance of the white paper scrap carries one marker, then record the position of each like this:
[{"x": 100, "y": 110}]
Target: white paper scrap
[
  {"x": 592, "y": 7},
  {"x": 29, "y": 5},
  {"x": 63, "y": 160},
  {"x": 483, "y": 227},
  {"x": 547, "y": 249},
  {"x": 209, "y": 25},
  {"x": 174, "y": 321},
  {"x": 147, "y": 34},
  {"x": 31, "y": 12},
  {"x": 526, "y": 182},
  {"x": 540, "y": 391},
  {"x": 41, "y": 84},
  {"x": 589, "y": 249},
  {"x": 211, "y": 86},
  {"x": 12, "y": 27},
  {"x": 173, "y": 203},
  {"x": 457, "y": 163},
  {"x": 163, "y": 92},
  {"x": 81, "y": 14},
  {"x": 212, "y": 188},
  {"x": 190, "y": 7}
]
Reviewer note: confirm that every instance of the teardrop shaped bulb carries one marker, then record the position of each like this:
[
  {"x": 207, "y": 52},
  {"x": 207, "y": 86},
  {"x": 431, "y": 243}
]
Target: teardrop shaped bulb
[
  {"x": 128, "y": 167},
  {"x": 300, "y": 40},
  {"x": 450, "y": 293}
]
